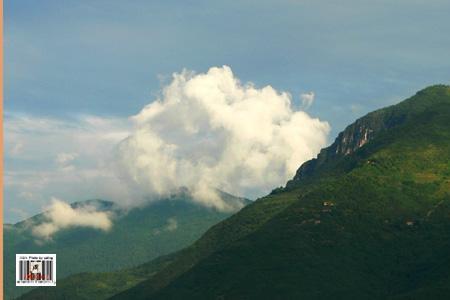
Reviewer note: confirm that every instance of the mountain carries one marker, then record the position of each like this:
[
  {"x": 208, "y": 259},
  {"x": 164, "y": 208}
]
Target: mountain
[
  {"x": 370, "y": 127},
  {"x": 137, "y": 236},
  {"x": 367, "y": 219}
]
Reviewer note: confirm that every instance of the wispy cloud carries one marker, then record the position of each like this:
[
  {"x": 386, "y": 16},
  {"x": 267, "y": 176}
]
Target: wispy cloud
[
  {"x": 67, "y": 158},
  {"x": 61, "y": 215},
  {"x": 307, "y": 99}
]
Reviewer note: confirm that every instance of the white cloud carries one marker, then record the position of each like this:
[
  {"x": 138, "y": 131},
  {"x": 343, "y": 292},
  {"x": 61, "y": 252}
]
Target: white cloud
[
  {"x": 61, "y": 215},
  {"x": 205, "y": 132},
  {"x": 210, "y": 131},
  {"x": 63, "y": 159},
  {"x": 172, "y": 224},
  {"x": 307, "y": 99}
]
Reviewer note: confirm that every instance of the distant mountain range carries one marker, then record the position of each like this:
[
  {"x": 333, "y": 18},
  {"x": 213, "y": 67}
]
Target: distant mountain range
[
  {"x": 137, "y": 236},
  {"x": 369, "y": 218}
]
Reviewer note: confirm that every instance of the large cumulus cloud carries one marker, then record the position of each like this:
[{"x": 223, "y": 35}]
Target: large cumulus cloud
[{"x": 209, "y": 131}]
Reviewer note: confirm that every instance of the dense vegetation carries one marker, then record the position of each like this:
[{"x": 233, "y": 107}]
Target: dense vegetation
[
  {"x": 368, "y": 222},
  {"x": 137, "y": 236}
]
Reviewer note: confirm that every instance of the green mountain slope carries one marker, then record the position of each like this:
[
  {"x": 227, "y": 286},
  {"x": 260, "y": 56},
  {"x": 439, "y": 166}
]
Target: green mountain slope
[
  {"x": 137, "y": 236},
  {"x": 99, "y": 285},
  {"x": 368, "y": 221}
]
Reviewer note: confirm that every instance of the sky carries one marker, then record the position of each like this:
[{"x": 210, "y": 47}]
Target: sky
[{"x": 76, "y": 71}]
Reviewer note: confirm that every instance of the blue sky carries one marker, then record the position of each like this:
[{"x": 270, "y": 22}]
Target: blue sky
[{"x": 69, "y": 59}]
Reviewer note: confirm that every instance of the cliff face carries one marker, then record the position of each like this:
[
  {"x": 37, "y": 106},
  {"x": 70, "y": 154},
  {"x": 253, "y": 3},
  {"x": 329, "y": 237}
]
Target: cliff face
[
  {"x": 369, "y": 127},
  {"x": 353, "y": 138},
  {"x": 348, "y": 141}
]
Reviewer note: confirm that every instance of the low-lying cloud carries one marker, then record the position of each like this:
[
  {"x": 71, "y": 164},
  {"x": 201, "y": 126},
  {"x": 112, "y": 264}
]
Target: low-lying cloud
[
  {"x": 61, "y": 215},
  {"x": 172, "y": 224},
  {"x": 209, "y": 131}
]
